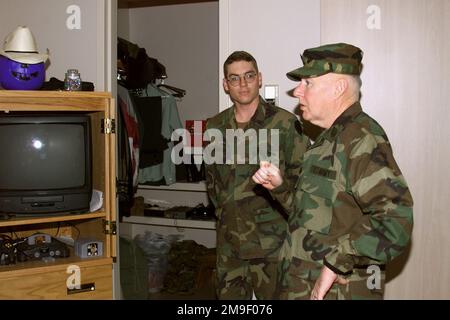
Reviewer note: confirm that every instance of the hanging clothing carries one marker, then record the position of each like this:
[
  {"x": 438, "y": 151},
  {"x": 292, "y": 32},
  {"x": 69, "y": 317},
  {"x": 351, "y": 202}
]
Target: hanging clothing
[
  {"x": 132, "y": 129},
  {"x": 162, "y": 173},
  {"x": 152, "y": 143},
  {"x": 138, "y": 68}
]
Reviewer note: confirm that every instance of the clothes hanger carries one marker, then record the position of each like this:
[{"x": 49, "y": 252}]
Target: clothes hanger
[{"x": 176, "y": 92}]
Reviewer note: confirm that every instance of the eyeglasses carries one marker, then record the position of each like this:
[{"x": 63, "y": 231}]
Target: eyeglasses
[{"x": 235, "y": 79}]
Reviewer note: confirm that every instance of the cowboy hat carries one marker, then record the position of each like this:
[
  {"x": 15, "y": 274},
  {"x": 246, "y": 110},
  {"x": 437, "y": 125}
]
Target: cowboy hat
[{"x": 20, "y": 46}]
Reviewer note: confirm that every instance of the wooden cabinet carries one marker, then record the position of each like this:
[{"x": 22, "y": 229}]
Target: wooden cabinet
[{"x": 71, "y": 277}]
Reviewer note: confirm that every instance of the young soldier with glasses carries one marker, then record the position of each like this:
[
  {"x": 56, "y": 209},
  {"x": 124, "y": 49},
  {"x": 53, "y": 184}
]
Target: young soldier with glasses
[{"x": 251, "y": 227}]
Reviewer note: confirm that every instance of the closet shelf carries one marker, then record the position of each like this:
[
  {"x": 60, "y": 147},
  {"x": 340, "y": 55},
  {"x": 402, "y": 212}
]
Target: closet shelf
[
  {"x": 152, "y": 3},
  {"x": 178, "y": 223},
  {"x": 178, "y": 186}
]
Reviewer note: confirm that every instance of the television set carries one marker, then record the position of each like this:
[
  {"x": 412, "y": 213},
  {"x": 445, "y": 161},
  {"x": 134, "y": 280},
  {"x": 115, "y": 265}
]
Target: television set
[{"x": 45, "y": 164}]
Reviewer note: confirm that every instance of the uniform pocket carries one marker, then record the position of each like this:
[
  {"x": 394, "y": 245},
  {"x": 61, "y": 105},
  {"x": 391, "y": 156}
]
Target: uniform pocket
[
  {"x": 316, "y": 205},
  {"x": 271, "y": 228},
  {"x": 266, "y": 215}
]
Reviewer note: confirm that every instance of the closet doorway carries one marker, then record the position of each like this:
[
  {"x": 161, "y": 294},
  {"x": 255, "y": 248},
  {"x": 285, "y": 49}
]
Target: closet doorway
[{"x": 182, "y": 35}]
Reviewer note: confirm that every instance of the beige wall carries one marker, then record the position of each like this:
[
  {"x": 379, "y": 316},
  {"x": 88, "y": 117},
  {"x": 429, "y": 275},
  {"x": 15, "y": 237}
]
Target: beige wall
[
  {"x": 84, "y": 48},
  {"x": 275, "y": 32},
  {"x": 406, "y": 88},
  {"x": 185, "y": 39}
]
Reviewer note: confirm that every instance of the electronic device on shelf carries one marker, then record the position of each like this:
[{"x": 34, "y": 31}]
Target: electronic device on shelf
[
  {"x": 48, "y": 168},
  {"x": 88, "y": 248},
  {"x": 7, "y": 250},
  {"x": 39, "y": 246}
]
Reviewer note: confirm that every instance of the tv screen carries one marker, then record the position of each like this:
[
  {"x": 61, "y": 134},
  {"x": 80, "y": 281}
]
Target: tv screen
[{"x": 45, "y": 165}]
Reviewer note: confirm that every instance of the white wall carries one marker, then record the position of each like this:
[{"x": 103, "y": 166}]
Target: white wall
[
  {"x": 123, "y": 23},
  {"x": 185, "y": 39},
  {"x": 275, "y": 32},
  {"x": 84, "y": 49}
]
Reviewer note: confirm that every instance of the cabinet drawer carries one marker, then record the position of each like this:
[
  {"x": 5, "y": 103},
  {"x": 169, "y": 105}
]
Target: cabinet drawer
[{"x": 95, "y": 283}]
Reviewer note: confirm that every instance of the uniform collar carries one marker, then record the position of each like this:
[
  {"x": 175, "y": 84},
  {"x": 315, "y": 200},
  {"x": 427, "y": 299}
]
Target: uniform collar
[
  {"x": 348, "y": 115},
  {"x": 263, "y": 112},
  {"x": 340, "y": 123}
]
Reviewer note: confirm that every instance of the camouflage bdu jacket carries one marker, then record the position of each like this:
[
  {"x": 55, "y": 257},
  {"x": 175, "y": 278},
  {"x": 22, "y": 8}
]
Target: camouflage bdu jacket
[
  {"x": 352, "y": 205},
  {"x": 249, "y": 219}
]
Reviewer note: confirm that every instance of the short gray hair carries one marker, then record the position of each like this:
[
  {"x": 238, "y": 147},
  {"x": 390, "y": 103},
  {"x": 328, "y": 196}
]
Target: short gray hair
[{"x": 354, "y": 84}]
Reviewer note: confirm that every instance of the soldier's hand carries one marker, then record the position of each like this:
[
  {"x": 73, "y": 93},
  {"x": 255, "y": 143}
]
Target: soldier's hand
[
  {"x": 268, "y": 175},
  {"x": 324, "y": 282}
]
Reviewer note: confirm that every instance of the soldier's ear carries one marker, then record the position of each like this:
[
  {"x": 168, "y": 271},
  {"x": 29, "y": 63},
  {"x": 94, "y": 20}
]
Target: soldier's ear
[
  {"x": 340, "y": 86},
  {"x": 260, "y": 79},
  {"x": 225, "y": 85}
]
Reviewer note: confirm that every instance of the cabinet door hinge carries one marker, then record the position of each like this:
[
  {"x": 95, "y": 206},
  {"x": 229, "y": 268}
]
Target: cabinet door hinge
[
  {"x": 109, "y": 126},
  {"x": 109, "y": 227}
]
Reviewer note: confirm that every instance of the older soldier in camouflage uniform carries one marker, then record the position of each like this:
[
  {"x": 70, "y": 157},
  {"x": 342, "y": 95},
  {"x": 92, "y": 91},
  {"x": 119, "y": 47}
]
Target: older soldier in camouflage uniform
[
  {"x": 352, "y": 206},
  {"x": 251, "y": 227}
]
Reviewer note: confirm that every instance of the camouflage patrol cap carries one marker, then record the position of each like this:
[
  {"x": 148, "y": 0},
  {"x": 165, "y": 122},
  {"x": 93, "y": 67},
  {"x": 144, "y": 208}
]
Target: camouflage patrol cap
[{"x": 337, "y": 58}]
